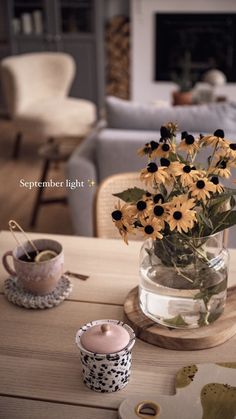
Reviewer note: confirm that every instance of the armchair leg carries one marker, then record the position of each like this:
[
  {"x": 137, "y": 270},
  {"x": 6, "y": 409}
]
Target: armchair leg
[
  {"x": 39, "y": 194},
  {"x": 17, "y": 144}
]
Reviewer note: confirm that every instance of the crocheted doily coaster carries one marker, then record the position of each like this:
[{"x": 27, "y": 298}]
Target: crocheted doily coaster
[{"x": 22, "y": 298}]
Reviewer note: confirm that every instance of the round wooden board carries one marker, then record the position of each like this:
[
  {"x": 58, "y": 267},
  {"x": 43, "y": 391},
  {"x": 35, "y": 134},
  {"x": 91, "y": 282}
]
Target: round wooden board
[{"x": 182, "y": 339}]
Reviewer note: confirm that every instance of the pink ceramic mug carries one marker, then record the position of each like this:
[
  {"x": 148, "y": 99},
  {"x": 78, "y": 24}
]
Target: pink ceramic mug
[{"x": 39, "y": 278}]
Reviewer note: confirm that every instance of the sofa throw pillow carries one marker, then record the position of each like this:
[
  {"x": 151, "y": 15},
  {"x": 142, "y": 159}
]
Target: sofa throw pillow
[{"x": 123, "y": 114}]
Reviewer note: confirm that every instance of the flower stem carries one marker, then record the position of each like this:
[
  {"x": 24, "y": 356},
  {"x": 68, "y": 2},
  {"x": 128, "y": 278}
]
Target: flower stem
[
  {"x": 188, "y": 240},
  {"x": 222, "y": 221},
  {"x": 181, "y": 273},
  {"x": 176, "y": 267},
  {"x": 214, "y": 151}
]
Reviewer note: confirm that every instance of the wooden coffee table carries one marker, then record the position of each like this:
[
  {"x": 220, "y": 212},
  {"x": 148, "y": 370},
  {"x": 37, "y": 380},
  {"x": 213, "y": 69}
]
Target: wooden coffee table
[{"x": 40, "y": 371}]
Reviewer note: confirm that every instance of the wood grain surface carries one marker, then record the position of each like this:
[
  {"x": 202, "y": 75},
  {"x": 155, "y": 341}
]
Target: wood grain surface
[
  {"x": 16, "y": 408},
  {"x": 39, "y": 361},
  {"x": 215, "y": 334}
]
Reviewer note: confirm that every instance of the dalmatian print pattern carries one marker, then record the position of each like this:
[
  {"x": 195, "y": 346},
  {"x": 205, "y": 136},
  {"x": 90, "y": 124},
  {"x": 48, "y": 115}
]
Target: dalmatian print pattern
[{"x": 106, "y": 373}]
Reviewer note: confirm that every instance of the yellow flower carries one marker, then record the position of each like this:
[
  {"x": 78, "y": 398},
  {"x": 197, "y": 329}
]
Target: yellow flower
[
  {"x": 183, "y": 200},
  {"x": 143, "y": 151},
  {"x": 154, "y": 174},
  {"x": 181, "y": 218},
  {"x": 167, "y": 165},
  {"x": 221, "y": 168},
  {"x": 163, "y": 150},
  {"x": 123, "y": 218},
  {"x": 123, "y": 212},
  {"x": 165, "y": 132},
  {"x": 187, "y": 173},
  {"x": 172, "y": 127},
  {"x": 149, "y": 149},
  {"x": 160, "y": 213},
  {"x": 229, "y": 149},
  {"x": 151, "y": 228},
  {"x": 218, "y": 187},
  {"x": 188, "y": 144},
  {"x": 216, "y": 139},
  {"x": 143, "y": 207},
  {"x": 201, "y": 189}
]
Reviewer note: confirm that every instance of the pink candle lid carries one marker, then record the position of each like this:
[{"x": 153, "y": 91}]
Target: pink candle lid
[{"x": 105, "y": 338}]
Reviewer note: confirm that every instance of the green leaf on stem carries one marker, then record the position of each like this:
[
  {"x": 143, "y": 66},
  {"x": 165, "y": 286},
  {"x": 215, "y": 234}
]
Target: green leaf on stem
[
  {"x": 203, "y": 219},
  {"x": 217, "y": 203},
  {"x": 229, "y": 191},
  {"x": 209, "y": 292},
  {"x": 232, "y": 202},
  {"x": 224, "y": 220},
  {"x": 176, "y": 321},
  {"x": 213, "y": 317},
  {"x": 131, "y": 194}
]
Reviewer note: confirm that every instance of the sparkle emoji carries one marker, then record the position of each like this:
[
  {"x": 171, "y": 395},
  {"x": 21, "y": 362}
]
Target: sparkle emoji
[{"x": 91, "y": 183}]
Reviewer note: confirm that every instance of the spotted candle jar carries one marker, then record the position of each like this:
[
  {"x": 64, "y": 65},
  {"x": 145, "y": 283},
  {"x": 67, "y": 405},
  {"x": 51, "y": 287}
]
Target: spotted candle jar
[{"x": 105, "y": 349}]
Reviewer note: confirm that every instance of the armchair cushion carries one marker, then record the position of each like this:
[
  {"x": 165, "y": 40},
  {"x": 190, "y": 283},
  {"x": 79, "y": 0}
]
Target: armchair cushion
[{"x": 57, "y": 117}]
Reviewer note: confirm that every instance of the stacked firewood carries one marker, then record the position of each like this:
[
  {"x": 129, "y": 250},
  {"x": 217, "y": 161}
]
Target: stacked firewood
[{"x": 118, "y": 57}]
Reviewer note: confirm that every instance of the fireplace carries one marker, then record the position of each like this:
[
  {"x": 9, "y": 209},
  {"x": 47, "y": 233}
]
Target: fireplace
[{"x": 210, "y": 39}]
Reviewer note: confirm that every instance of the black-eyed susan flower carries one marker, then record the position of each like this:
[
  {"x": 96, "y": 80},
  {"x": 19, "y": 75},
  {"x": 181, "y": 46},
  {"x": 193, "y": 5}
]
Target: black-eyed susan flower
[
  {"x": 202, "y": 189},
  {"x": 160, "y": 213},
  {"x": 164, "y": 150},
  {"x": 146, "y": 150},
  {"x": 218, "y": 187},
  {"x": 123, "y": 214},
  {"x": 149, "y": 149},
  {"x": 228, "y": 149},
  {"x": 123, "y": 218},
  {"x": 184, "y": 134},
  {"x": 151, "y": 228},
  {"x": 143, "y": 208},
  {"x": 217, "y": 139},
  {"x": 165, "y": 133},
  {"x": 154, "y": 174},
  {"x": 172, "y": 127},
  {"x": 221, "y": 168},
  {"x": 181, "y": 218},
  {"x": 182, "y": 199},
  {"x": 165, "y": 162},
  {"x": 188, "y": 144},
  {"x": 154, "y": 145},
  {"x": 187, "y": 174}
]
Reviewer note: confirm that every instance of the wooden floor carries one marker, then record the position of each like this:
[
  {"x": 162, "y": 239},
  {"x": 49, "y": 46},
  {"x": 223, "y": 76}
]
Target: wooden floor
[{"x": 17, "y": 202}]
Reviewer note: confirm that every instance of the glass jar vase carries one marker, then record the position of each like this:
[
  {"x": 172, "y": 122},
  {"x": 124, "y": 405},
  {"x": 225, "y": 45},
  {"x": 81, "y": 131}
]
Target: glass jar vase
[{"x": 183, "y": 280}]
